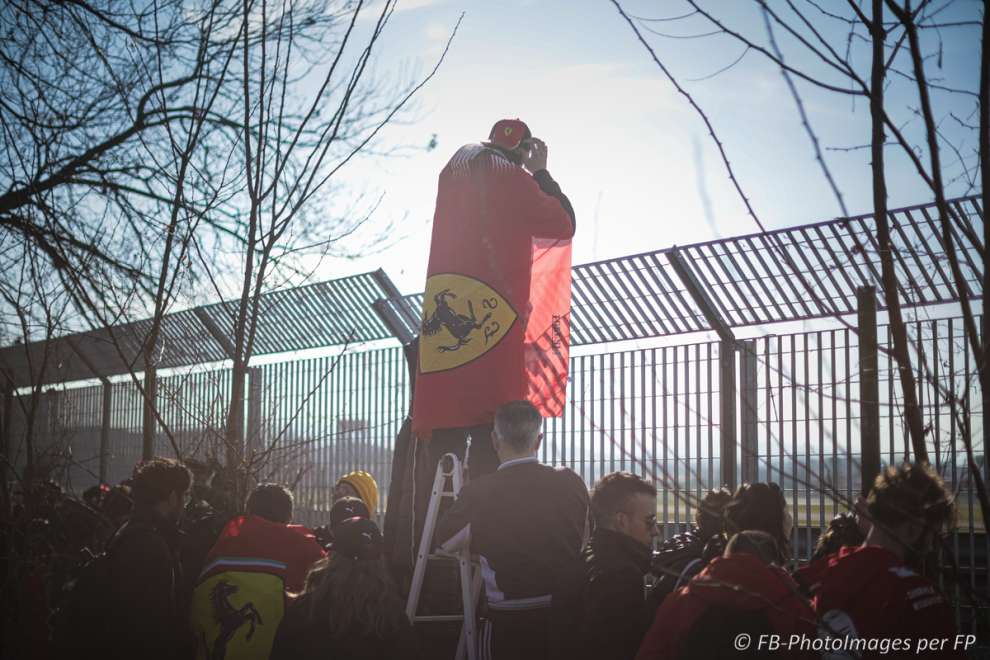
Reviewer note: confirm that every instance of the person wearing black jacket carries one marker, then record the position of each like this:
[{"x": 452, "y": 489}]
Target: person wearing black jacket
[
  {"x": 527, "y": 522},
  {"x": 349, "y": 609},
  {"x": 684, "y": 555},
  {"x": 615, "y": 612},
  {"x": 147, "y": 618}
]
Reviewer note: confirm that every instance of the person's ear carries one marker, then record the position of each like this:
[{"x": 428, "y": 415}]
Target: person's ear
[
  {"x": 539, "y": 441},
  {"x": 495, "y": 443}
]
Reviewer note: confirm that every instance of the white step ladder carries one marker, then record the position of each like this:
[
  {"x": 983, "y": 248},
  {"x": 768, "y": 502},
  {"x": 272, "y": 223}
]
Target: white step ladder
[{"x": 470, "y": 574}]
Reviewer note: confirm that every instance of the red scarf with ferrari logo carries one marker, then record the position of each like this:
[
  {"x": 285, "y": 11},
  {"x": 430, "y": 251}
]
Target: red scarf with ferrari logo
[{"x": 496, "y": 311}]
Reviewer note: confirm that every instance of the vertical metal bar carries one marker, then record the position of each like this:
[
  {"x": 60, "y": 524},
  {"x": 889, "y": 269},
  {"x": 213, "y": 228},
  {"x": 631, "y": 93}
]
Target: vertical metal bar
[
  {"x": 727, "y": 417},
  {"x": 807, "y": 440},
  {"x": 891, "y": 399},
  {"x": 936, "y": 398},
  {"x": 748, "y": 413},
  {"x": 709, "y": 391},
  {"x": 611, "y": 411},
  {"x": 577, "y": 371},
  {"x": 969, "y": 494},
  {"x": 601, "y": 407},
  {"x": 106, "y": 412},
  {"x": 687, "y": 433},
  {"x": 794, "y": 453},
  {"x": 699, "y": 482},
  {"x": 821, "y": 438},
  {"x": 675, "y": 371},
  {"x": 781, "y": 417},
  {"x": 663, "y": 409},
  {"x": 652, "y": 389},
  {"x": 847, "y": 364},
  {"x": 869, "y": 388},
  {"x": 632, "y": 409},
  {"x": 589, "y": 412},
  {"x": 768, "y": 398},
  {"x": 255, "y": 387},
  {"x": 834, "y": 402},
  {"x": 642, "y": 412}
]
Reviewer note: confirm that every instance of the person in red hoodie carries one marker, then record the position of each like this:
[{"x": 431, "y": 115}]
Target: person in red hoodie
[
  {"x": 732, "y": 608},
  {"x": 873, "y": 595},
  {"x": 240, "y": 598}
]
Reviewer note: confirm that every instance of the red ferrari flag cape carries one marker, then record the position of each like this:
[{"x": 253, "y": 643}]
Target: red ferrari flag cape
[
  {"x": 240, "y": 598},
  {"x": 496, "y": 311}
]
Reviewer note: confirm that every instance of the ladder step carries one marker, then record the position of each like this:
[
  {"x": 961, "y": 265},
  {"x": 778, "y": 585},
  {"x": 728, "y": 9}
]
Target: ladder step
[{"x": 438, "y": 618}]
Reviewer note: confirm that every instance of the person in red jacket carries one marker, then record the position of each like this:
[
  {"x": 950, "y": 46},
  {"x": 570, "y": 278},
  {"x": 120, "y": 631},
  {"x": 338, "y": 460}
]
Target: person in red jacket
[
  {"x": 497, "y": 299},
  {"x": 873, "y": 595},
  {"x": 733, "y": 608},
  {"x": 240, "y": 598}
]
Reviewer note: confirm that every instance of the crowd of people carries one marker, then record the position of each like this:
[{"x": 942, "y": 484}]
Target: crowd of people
[{"x": 157, "y": 568}]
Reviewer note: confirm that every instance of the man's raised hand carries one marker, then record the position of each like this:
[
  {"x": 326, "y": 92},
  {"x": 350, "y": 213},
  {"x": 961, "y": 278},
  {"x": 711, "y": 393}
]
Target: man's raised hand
[{"x": 535, "y": 159}]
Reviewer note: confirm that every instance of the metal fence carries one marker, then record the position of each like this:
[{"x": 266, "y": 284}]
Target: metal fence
[{"x": 655, "y": 411}]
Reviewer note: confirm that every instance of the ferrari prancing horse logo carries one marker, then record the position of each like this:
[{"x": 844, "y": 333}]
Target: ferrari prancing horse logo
[{"x": 463, "y": 318}]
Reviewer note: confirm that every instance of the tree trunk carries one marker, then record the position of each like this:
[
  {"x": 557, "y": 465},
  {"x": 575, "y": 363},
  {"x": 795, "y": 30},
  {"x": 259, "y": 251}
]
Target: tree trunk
[
  {"x": 984, "y": 358},
  {"x": 898, "y": 331}
]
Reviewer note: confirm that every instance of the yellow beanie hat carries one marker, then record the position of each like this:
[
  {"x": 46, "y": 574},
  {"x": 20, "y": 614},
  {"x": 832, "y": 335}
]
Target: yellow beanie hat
[{"x": 365, "y": 486}]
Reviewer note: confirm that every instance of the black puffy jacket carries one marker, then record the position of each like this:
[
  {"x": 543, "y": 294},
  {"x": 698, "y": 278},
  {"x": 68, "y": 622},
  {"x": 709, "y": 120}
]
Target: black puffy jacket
[{"x": 615, "y": 612}]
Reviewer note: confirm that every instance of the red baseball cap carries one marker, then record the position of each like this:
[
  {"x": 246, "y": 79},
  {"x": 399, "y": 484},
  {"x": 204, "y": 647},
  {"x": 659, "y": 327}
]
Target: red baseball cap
[{"x": 508, "y": 133}]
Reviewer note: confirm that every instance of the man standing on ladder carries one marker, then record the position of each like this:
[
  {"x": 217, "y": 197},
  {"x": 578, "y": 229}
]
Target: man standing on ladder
[
  {"x": 496, "y": 309},
  {"x": 527, "y": 522},
  {"x": 497, "y": 305}
]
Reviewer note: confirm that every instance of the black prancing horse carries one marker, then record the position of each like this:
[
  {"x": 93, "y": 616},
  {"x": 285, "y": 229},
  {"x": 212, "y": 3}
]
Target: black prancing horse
[
  {"x": 458, "y": 325},
  {"x": 229, "y": 619}
]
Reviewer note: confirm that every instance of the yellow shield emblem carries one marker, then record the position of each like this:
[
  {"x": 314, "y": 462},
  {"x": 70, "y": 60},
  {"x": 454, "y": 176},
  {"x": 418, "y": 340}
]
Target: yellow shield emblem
[
  {"x": 463, "y": 318},
  {"x": 236, "y": 614}
]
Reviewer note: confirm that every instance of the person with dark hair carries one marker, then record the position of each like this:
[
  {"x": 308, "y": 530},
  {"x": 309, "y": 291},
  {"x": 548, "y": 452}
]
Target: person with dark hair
[
  {"x": 240, "y": 596},
  {"x": 527, "y": 522},
  {"x": 272, "y": 502},
  {"x": 760, "y": 507},
  {"x": 876, "y": 590},
  {"x": 93, "y": 496},
  {"x": 615, "y": 612},
  {"x": 683, "y": 555},
  {"x": 745, "y": 591},
  {"x": 349, "y": 608},
  {"x": 343, "y": 509},
  {"x": 843, "y": 530},
  {"x": 147, "y": 619},
  {"x": 118, "y": 504}
]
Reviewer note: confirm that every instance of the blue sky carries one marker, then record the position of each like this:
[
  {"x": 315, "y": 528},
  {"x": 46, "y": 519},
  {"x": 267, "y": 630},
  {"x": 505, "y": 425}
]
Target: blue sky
[{"x": 629, "y": 151}]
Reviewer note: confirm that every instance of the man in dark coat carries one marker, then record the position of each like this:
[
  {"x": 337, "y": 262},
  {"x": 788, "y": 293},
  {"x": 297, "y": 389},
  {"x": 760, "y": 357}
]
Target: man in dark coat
[
  {"x": 527, "y": 523},
  {"x": 148, "y": 613},
  {"x": 615, "y": 613}
]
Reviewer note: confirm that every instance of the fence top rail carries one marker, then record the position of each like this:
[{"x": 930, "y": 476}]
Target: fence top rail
[
  {"x": 790, "y": 274},
  {"x": 316, "y": 315}
]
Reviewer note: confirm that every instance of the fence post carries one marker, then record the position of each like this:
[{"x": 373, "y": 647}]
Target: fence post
[
  {"x": 727, "y": 408},
  {"x": 869, "y": 386},
  {"x": 148, "y": 422},
  {"x": 105, "y": 429},
  {"x": 256, "y": 384},
  {"x": 7, "y": 437},
  {"x": 749, "y": 446}
]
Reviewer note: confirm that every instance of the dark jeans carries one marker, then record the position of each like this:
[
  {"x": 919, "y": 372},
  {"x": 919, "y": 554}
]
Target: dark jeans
[
  {"x": 523, "y": 635},
  {"x": 440, "y": 589}
]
